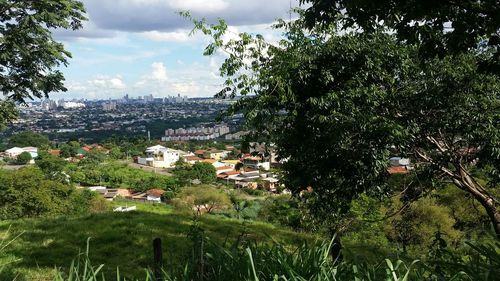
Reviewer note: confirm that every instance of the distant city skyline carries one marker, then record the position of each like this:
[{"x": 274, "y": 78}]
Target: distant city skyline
[{"x": 143, "y": 47}]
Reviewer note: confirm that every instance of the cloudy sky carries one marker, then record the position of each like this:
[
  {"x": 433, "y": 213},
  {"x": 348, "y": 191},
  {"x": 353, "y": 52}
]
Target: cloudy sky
[{"x": 142, "y": 47}]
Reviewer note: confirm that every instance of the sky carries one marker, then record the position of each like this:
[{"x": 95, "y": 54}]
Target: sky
[{"x": 142, "y": 47}]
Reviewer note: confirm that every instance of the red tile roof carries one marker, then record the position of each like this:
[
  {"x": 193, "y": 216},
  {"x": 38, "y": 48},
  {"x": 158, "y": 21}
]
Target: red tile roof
[
  {"x": 192, "y": 158},
  {"x": 211, "y": 161},
  {"x": 55, "y": 152},
  {"x": 397, "y": 170},
  {"x": 247, "y": 169},
  {"x": 155, "y": 192},
  {"x": 224, "y": 168}
]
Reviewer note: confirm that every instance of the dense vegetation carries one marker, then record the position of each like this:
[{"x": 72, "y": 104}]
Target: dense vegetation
[
  {"x": 29, "y": 193},
  {"x": 351, "y": 94},
  {"x": 118, "y": 240}
]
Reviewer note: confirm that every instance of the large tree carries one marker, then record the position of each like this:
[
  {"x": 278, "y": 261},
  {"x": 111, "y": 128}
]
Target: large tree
[
  {"x": 438, "y": 27},
  {"x": 458, "y": 45},
  {"x": 29, "y": 56},
  {"x": 338, "y": 103}
]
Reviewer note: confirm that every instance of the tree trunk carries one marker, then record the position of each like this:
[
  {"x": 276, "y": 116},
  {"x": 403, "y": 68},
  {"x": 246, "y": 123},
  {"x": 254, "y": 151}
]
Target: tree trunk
[{"x": 467, "y": 183}]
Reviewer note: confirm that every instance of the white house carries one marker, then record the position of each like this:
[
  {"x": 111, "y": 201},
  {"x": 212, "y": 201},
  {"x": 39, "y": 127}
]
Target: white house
[
  {"x": 160, "y": 157},
  {"x": 33, "y": 151},
  {"x": 14, "y": 152},
  {"x": 256, "y": 163},
  {"x": 399, "y": 161},
  {"x": 154, "y": 195}
]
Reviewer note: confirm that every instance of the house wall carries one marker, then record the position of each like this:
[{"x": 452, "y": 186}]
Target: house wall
[{"x": 153, "y": 198}]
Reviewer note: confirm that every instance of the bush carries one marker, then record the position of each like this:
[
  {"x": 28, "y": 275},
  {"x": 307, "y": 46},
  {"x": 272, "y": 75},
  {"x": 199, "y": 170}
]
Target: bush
[
  {"x": 253, "y": 192},
  {"x": 414, "y": 228},
  {"x": 28, "y": 193},
  {"x": 23, "y": 158},
  {"x": 283, "y": 210},
  {"x": 205, "y": 199}
]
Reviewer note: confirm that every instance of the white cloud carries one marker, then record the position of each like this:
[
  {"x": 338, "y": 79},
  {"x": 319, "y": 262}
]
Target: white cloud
[
  {"x": 207, "y": 6},
  {"x": 108, "y": 83},
  {"x": 116, "y": 83},
  {"x": 159, "y": 72},
  {"x": 176, "y": 36},
  {"x": 186, "y": 88}
]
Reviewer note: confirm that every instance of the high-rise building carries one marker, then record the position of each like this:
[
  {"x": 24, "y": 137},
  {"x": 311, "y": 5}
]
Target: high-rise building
[
  {"x": 109, "y": 106},
  {"x": 49, "y": 104}
]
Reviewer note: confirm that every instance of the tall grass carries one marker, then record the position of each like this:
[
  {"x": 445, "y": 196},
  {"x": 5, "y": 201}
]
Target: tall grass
[
  {"x": 4, "y": 243},
  {"x": 249, "y": 261}
]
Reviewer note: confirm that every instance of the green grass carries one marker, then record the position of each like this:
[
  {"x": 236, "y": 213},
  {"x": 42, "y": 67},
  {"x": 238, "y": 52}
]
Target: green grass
[{"x": 121, "y": 240}]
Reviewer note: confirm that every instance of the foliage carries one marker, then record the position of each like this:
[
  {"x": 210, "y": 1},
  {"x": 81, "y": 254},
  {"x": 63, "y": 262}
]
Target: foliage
[
  {"x": 8, "y": 112},
  {"x": 414, "y": 227},
  {"x": 283, "y": 210},
  {"x": 443, "y": 27},
  {"x": 27, "y": 193},
  {"x": 245, "y": 260},
  {"x": 204, "y": 198},
  {"x": 116, "y": 175},
  {"x": 119, "y": 240},
  {"x": 350, "y": 100},
  {"x": 69, "y": 149},
  {"x": 204, "y": 172},
  {"x": 23, "y": 158},
  {"x": 28, "y": 138},
  {"x": 52, "y": 166},
  {"x": 244, "y": 208},
  {"x": 29, "y": 57}
]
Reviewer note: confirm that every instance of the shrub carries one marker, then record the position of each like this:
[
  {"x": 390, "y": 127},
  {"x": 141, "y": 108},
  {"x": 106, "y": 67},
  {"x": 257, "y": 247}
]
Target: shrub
[
  {"x": 23, "y": 158},
  {"x": 283, "y": 210},
  {"x": 204, "y": 198},
  {"x": 27, "y": 193}
]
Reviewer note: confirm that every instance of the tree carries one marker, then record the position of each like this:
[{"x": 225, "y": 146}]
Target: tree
[
  {"x": 23, "y": 158},
  {"x": 28, "y": 138},
  {"x": 417, "y": 225},
  {"x": 202, "y": 171},
  {"x": 348, "y": 101},
  {"x": 51, "y": 165},
  {"x": 443, "y": 26},
  {"x": 29, "y": 57},
  {"x": 26, "y": 193},
  {"x": 205, "y": 198},
  {"x": 205, "y": 172},
  {"x": 448, "y": 30},
  {"x": 69, "y": 149}
]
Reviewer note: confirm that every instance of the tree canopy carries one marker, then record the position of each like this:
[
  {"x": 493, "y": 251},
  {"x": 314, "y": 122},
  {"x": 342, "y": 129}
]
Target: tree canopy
[
  {"x": 28, "y": 138},
  {"x": 439, "y": 27},
  {"x": 339, "y": 104},
  {"x": 23, "y": 158},
  {"x": 29, "y": 56}
]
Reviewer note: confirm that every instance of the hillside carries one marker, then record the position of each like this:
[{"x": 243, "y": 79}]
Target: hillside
[{"x": 116, "y": 239}]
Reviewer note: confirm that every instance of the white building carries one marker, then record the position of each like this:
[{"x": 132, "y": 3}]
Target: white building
[
  {"x": 15, "y": 151},
  {"x": 160, "y": 157},
  {"x": 195, "y": 133},
  {"x": 72, "y": 105},
  {"x": 399, "y": 161}
]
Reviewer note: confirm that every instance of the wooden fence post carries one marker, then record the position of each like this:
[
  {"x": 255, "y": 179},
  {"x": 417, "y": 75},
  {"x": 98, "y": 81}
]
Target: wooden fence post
[{"x": 157, "y": 258}]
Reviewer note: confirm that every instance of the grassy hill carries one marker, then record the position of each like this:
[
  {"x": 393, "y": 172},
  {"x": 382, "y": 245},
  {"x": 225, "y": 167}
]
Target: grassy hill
[{"x": 121, "y": 240}]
